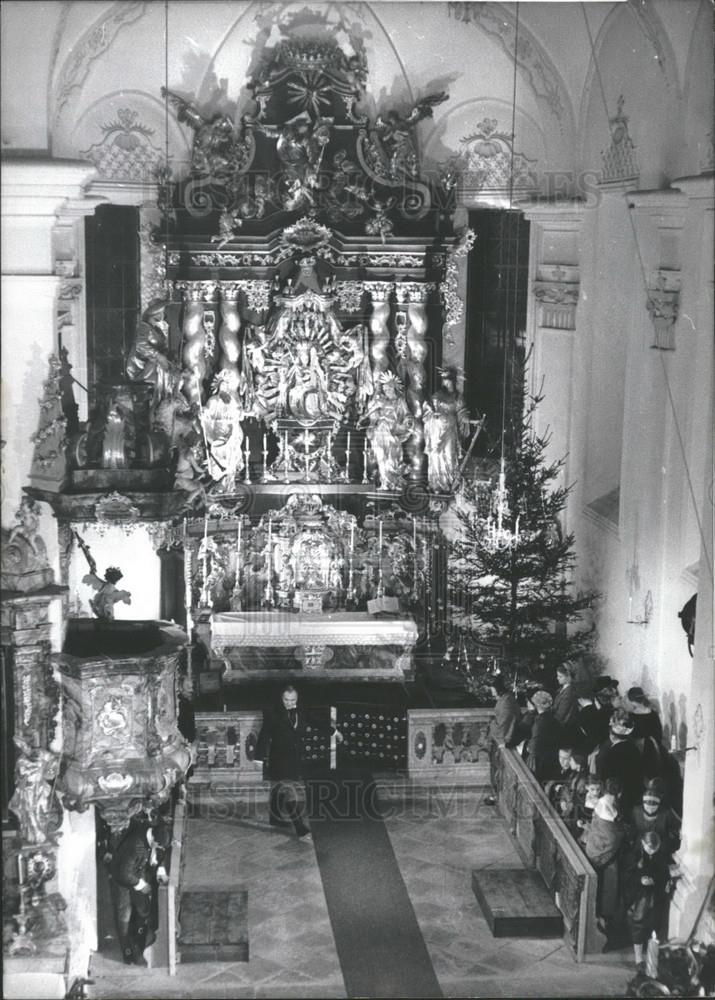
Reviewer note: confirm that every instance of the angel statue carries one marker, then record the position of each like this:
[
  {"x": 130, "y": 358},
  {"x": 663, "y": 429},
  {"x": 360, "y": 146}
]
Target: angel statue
[
  {"x": 390, "y": 424},
  {"x": 445, "y": 419},
  {"x": 395, "y": 133},
  {"x": 218, "y": 147},
  {"x": 108, "y": 594}
]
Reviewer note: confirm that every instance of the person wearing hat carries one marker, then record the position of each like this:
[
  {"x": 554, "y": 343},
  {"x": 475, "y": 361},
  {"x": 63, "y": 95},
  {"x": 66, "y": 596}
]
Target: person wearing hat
[
  {"x": 647, "y": 731},
  {"x": 646, "y": 721},
  {"x": 543, "y": 746},
  {"x": 591, "y": 726},
  {"x": 645, "y": 879},
  {"x": 652, "y": 815},
  {"x": 619, "y": 757}
]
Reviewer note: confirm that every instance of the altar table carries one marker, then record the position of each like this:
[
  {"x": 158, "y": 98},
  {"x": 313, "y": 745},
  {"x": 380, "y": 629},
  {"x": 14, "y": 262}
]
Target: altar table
[{"x": 336, "y": 644}]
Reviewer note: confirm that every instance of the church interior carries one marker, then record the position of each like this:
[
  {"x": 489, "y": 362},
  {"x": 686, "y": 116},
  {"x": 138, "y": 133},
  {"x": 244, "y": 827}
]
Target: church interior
[{"x": 357, "y": 498}]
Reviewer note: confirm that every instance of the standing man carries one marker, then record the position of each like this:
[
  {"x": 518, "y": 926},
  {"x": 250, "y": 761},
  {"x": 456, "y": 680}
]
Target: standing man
[
  {"x": 280, "y": 747},
  {"x": 136, "y": 868}
]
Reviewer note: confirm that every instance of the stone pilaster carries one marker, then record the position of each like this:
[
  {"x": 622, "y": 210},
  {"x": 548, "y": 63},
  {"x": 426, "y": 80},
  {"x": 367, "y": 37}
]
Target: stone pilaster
[
  {"x": 658, "y": 218},
  {"x": 554, "y": 281}
]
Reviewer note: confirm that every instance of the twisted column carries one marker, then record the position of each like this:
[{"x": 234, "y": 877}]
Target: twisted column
[
  {"x": 194, "y": 336},
  {"x": 380, "y": 335},
  {"x": 412, "y": 299},
  {"x": 230, "y": 326}
]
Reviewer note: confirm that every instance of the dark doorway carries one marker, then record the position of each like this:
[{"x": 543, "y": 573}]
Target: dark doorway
[{"x": 497, "y": 288}]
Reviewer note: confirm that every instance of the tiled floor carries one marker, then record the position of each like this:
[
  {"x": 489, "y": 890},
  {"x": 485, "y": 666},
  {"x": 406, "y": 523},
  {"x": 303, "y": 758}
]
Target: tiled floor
[{"x": 437, "y": 842}]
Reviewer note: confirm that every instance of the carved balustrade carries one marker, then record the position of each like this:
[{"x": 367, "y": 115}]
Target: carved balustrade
[
  {"x": 449, "y": 744},
  {"x": 225, "y": 748},
  {"x": 545, "y": 844},
  {"x": 122, "y": 748}
]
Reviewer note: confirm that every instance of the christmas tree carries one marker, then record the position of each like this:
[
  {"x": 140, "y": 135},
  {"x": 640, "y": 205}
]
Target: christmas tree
[{"x": 513, "y": 605}]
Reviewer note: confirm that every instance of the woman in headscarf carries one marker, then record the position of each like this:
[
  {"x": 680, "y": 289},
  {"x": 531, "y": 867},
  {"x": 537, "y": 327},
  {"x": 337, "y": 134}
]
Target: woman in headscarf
[{"x": 605, "y": 841}]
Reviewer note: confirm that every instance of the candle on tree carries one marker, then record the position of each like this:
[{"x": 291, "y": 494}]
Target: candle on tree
[
  {"x": 307, "y": 455},
  {"x": 347, "y": 458},
  {"x": 285, "y": 454},
  {"x": 265, "y": 455}
]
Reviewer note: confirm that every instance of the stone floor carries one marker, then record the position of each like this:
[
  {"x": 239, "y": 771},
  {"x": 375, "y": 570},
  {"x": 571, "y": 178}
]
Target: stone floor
[{"x": 437, "y": 841}]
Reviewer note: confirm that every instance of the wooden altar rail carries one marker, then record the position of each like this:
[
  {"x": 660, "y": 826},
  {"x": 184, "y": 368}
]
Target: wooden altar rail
[
  {"x": 545, "y": 844},
  {"x": 449, "y": 744}
]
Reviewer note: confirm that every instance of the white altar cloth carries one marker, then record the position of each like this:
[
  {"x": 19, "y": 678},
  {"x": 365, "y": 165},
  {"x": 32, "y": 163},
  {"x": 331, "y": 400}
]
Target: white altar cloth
[{"x": 280, "y": 628}]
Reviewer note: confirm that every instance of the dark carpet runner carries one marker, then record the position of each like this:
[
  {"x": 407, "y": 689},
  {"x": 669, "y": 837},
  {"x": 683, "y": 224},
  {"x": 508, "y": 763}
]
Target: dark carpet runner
[{"x": 380, "y": 946}]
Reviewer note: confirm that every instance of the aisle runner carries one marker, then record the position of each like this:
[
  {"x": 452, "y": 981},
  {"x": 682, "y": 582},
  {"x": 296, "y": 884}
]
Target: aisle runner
[{"x": 378, "y": 940}]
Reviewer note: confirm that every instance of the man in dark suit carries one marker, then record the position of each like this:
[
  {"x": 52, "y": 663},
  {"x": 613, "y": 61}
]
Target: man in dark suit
[
  {"x": 280, "y": 747},
  {"x": 136, "y": 868}
]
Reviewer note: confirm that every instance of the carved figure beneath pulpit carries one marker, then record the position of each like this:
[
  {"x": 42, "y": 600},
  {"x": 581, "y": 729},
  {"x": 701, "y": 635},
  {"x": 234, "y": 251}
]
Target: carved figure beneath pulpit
[
  {"x": 389, "y": 425},
  {"x": 446, "y": 420},
  {"x": 31, "y": 801}
]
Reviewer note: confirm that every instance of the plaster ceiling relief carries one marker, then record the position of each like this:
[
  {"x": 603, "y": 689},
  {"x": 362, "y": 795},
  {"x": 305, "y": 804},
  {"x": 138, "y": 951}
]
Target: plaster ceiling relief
[
  {"x": 535, "y": 65},
  {"x": 94, "y": 43},
  {"x": 124, "y": 136},
  {"x": 476, "y": 137}
]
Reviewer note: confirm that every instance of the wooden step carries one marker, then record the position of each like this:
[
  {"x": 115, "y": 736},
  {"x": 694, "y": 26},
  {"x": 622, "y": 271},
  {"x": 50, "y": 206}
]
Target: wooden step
[
  {"x": 516, "y": 903},
  {"x": 213, "y": 924}
]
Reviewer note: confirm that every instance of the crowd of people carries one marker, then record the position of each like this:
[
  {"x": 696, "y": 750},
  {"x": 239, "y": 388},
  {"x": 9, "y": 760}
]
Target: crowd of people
[{"x": 601, "y": 760}]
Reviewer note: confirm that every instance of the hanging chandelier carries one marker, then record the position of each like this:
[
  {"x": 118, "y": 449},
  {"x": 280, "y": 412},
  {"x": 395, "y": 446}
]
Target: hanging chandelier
[{"x": 497, "y": 536}]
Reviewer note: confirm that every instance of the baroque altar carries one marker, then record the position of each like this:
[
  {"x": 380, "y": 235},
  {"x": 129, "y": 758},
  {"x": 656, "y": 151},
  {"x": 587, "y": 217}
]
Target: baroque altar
[{"x": 285, "y": 423}]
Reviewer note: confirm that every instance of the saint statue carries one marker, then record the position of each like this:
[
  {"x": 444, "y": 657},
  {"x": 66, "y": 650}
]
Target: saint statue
[
  {"x": 148, "y": 359},
  {"x": 32, "y": 800},
  {"x": 445, "y": 419},
  {"x": 221, "y": 422},
  {"x": 390, "y": 424}
]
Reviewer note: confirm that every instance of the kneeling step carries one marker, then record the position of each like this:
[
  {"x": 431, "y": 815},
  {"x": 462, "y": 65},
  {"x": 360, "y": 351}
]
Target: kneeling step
[{"x": 516, "y": 903}]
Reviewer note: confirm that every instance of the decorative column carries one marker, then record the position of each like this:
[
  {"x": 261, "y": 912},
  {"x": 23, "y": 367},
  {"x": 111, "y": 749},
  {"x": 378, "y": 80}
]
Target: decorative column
[
  {"x": 658, "y": 217},
  {"x": 230, "y": 326},
  {"x": 380, "y": 335},
  {"x": 694, "y": 383},
  {"x": 411, "y": 304},
  {"x": 554, "y": 259},
  {"x": 40, "y": 942},
  {"x": 194, "y": 336}
]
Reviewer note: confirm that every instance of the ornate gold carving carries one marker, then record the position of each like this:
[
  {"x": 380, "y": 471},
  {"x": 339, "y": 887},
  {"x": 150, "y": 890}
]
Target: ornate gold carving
[{"x": 115, "y": 508}]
